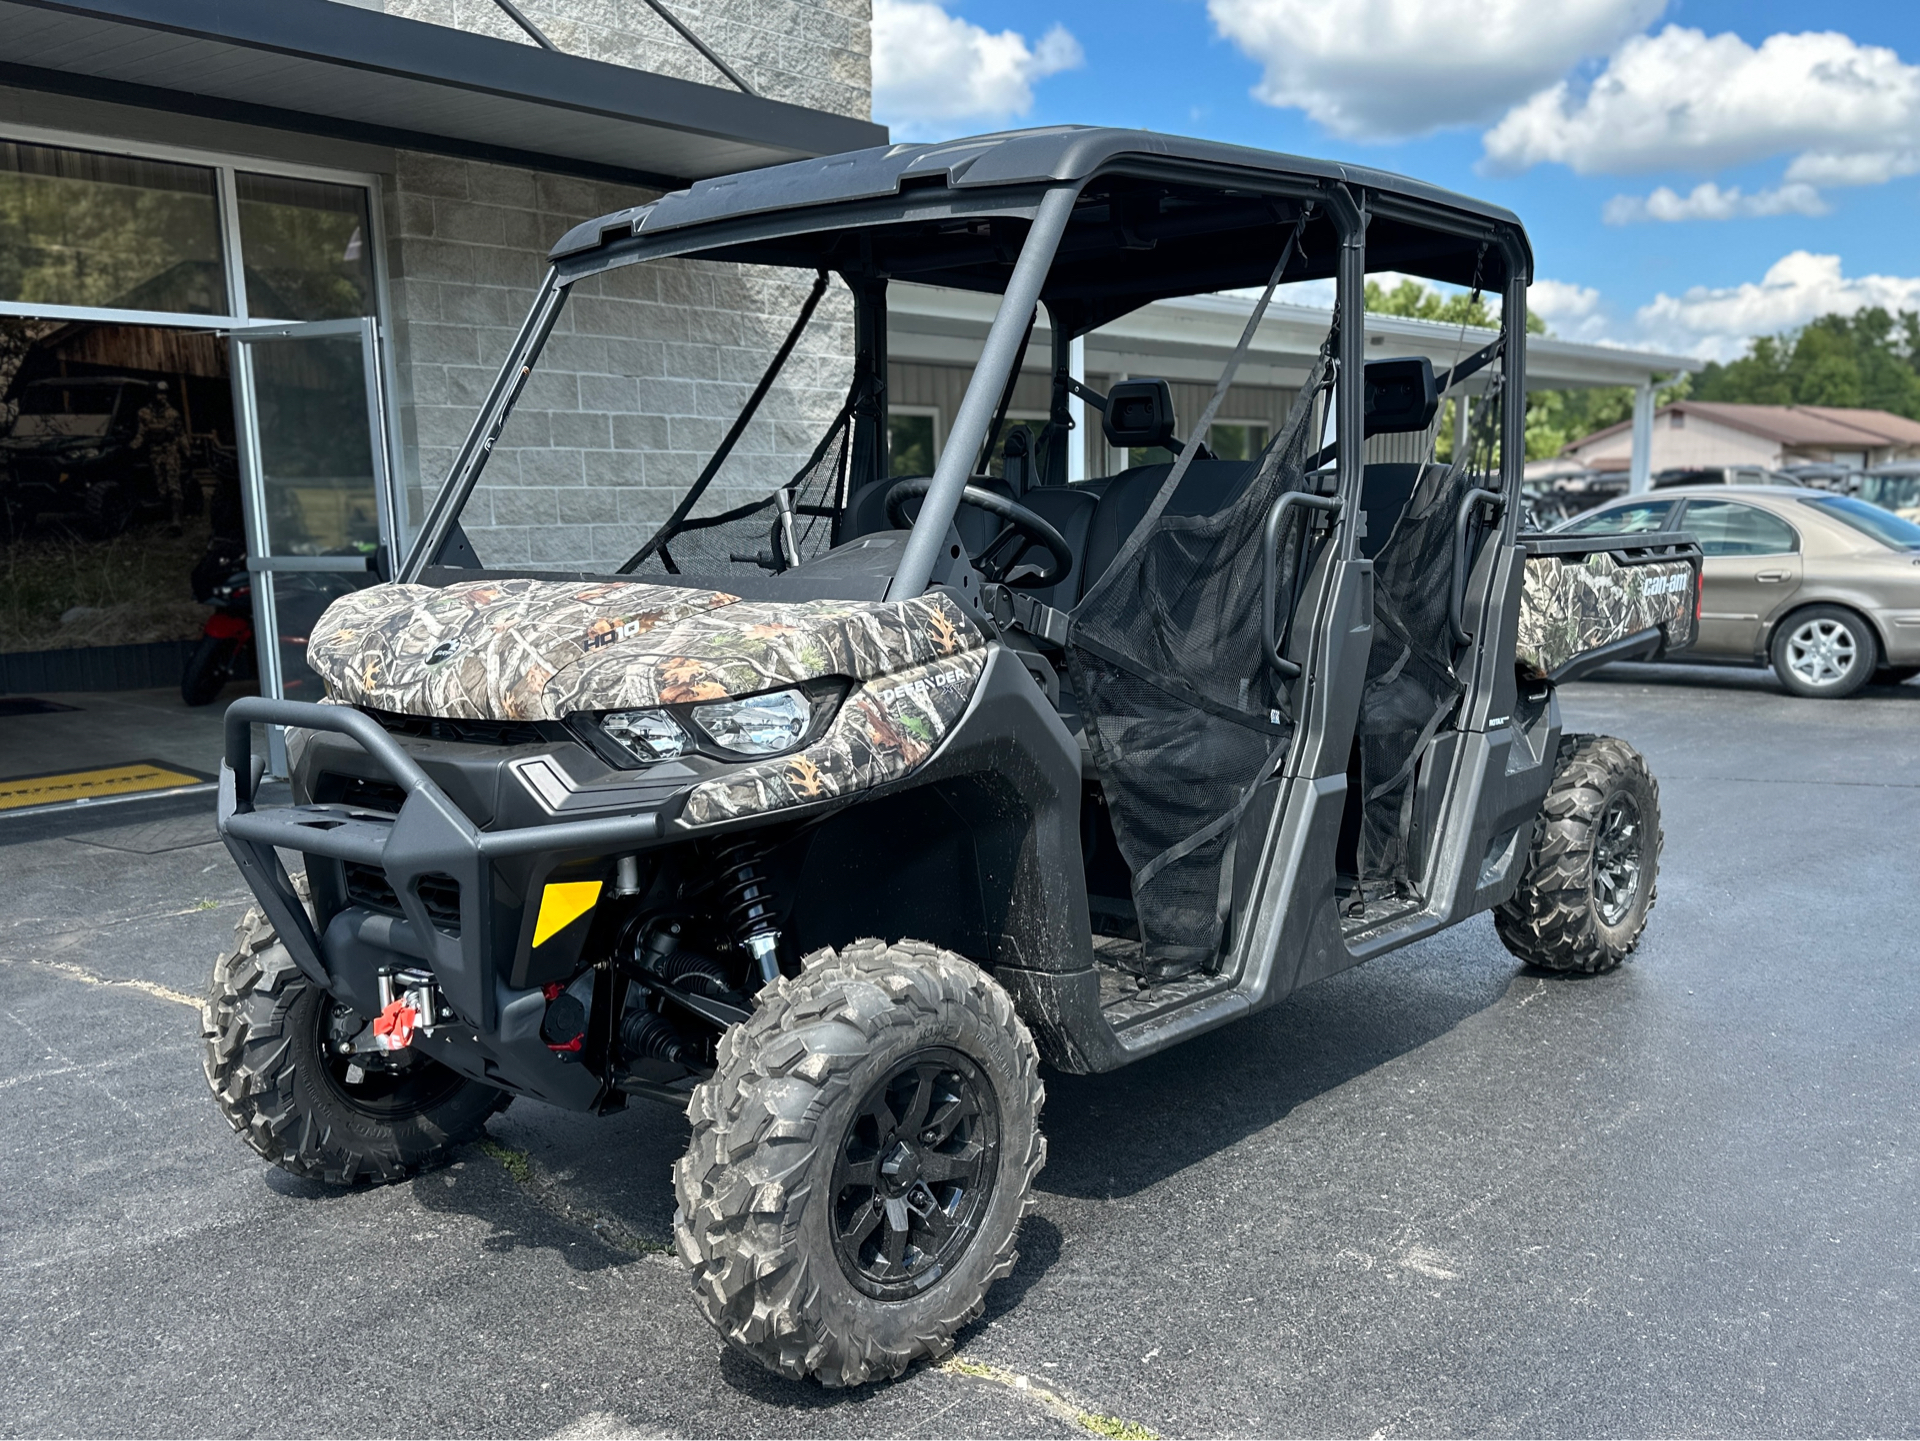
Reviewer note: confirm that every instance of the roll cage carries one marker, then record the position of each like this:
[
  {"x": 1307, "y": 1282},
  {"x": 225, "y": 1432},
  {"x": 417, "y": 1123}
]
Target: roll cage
[{"x": 1092, "y": 223}]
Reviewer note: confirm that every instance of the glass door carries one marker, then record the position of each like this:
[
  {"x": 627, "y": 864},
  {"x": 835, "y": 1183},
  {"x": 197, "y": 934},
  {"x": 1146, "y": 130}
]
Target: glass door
[{"x": 319, "y": 495}]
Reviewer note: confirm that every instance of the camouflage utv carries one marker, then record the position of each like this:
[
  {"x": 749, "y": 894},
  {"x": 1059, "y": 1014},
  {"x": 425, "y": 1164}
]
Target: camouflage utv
[{"x": 827, "y": 815}]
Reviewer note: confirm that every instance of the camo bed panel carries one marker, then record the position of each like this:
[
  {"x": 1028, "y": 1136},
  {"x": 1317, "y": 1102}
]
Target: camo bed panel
[
  {"x": 540, "y": 650},
  {"x": 1575, "y": 604},
  {"x": 883, "y": 730}
]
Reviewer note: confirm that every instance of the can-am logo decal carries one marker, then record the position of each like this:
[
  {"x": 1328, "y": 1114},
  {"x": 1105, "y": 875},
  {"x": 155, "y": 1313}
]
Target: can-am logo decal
[
  {"x": 442, "y": 651},
  {"x": 1671, "y": 584}
]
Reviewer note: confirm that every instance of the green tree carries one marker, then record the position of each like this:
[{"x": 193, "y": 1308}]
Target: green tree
[
  {"x": 1870, "y": 359},
  {"x": 1419, "y": 302}
]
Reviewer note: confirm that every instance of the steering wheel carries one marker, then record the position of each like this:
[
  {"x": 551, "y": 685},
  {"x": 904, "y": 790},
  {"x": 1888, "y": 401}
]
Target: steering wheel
[{"x": 1021, "y": 524}]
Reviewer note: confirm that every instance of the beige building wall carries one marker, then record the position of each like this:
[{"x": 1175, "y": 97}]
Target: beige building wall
[{"x": 1698, "y": 441}]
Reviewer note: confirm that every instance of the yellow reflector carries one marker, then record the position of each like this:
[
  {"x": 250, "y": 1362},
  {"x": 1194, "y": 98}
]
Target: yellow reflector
[
  {"x": 85, "y": 785},
  {"x": 561, "y": 904}
]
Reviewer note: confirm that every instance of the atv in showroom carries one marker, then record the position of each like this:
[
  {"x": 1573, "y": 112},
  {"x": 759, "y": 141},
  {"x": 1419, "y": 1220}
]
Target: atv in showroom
[{"x": 828, "y": 815}]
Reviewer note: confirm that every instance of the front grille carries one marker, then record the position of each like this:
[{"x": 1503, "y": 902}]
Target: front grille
[
  {"x": 368, "y": 886},
  {"x": 471, "y": 732},
  {"x": 441, "y": 896}
]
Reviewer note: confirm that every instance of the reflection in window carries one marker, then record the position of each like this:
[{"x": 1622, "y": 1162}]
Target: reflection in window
[
  {"x": 316, "y": 447},
  {"x": 1632, "y": 519},
  {"x": 1236, "y": 439},
  {"x": 79, "y": 228},
  {"x": 306, "y": 248},
  {"x": 909, "y": 444},
  {"x": 1725, "y": 528}
]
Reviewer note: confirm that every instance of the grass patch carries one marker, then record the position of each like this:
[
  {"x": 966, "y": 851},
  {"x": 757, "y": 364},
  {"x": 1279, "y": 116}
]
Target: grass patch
[{"x": 517, "y": 1164}]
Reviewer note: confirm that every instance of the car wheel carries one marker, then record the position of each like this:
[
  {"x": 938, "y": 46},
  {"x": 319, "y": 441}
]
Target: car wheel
[{"x": 1825, "y": 652}]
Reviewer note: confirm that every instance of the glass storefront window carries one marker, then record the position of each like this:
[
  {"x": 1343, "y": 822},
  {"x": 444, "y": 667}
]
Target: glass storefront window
[
  {"x": 1237, "y": 439},
  {"x": 79, "y": 228},
  {"x": 306, "y": 248},
  {"x": 909, "y": 444}
]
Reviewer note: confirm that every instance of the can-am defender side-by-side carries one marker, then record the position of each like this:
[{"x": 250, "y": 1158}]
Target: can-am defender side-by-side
[{"x": 828, "y": 815}]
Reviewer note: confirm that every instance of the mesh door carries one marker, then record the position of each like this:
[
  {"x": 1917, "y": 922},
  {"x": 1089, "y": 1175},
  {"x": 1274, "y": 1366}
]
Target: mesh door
[{"x": 1185, "y": 716}]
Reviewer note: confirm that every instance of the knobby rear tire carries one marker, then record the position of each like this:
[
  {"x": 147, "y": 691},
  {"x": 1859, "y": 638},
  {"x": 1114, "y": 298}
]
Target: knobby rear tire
[{"x": 1557, "y": 919}]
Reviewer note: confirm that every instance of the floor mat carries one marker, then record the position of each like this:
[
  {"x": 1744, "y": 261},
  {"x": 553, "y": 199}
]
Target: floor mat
[
  {"x": 108, "y": 782},
  {"x": 12, "y": 705}
]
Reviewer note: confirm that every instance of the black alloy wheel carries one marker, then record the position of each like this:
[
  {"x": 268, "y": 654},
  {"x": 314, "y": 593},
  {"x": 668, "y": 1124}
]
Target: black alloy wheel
[
  {"x": 388, "y": 1086},
  {"x": 1617, "y": 850},
  {"x": 914, "y": 1174}
]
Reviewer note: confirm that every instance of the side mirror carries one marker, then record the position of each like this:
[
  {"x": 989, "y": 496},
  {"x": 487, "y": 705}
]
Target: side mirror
[
  {"x": 1139, "y": 415},
  {"x": 1401, "y": 395}
]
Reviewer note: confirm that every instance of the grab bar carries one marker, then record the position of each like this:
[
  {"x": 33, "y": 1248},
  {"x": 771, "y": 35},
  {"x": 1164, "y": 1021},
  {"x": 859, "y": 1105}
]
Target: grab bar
[{"x": 1270, "y": 629}]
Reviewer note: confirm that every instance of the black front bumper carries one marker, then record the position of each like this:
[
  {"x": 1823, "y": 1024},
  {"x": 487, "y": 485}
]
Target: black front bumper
[{"x": 495, "y": 1032}]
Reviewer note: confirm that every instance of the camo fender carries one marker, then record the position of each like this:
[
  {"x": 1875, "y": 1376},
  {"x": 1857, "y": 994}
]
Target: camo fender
[
  {"x": 884, "y": 729},
  {"x": 1572, "y": 606}
]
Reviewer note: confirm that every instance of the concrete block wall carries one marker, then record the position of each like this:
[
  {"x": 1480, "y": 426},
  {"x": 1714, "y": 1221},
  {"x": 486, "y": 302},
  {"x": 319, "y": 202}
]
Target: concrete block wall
[
  {"x": 646, "y": 370},
  {"x": 648, "y": 366},
  {"x": 816, "y": 53}
]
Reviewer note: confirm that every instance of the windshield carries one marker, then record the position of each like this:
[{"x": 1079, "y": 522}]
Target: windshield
[
  {"x": 1632, "y": 519},
  {"x": 612, "y": 433},
  {"x": 69, "y": 399},
  {"x": 1883, "y": 525},
  {"x": 1893, "y": 492},
  {"x": 65, "y": 412}
]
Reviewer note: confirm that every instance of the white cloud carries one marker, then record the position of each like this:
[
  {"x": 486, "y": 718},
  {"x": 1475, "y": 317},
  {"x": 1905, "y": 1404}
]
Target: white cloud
[
  {"x": 1684, "y": 99},
  {"x": 1715, "y": 323},
  {"x": 1574, "y": 312},
  {"x": 1373, "y": 69},
  {"x": 932, "y": 70},
  {"x": 1867, "y": 167},
  {"x": 1708, "y": 201}
]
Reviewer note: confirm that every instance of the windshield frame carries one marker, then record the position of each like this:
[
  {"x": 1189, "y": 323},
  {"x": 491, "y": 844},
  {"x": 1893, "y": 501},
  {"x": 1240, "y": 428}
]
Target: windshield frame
[{"x": 752, "y": 238}]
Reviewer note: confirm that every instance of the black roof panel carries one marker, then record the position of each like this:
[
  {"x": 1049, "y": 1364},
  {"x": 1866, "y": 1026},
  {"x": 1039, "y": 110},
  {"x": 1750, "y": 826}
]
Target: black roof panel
[{"x": 1011, "y": 158}]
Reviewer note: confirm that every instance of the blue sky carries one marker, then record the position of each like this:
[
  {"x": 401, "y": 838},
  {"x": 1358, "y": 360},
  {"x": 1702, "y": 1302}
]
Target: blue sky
[{"x": 1812, "y": 113}]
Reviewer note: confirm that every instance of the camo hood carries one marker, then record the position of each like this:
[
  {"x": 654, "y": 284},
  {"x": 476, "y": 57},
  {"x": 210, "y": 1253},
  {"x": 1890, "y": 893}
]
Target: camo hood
[{"x": 540, "y": 650}]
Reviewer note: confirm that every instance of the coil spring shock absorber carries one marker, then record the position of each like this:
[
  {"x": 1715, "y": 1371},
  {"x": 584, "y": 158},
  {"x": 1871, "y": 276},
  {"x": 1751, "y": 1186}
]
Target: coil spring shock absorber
[{"x": 750, "y": 906}]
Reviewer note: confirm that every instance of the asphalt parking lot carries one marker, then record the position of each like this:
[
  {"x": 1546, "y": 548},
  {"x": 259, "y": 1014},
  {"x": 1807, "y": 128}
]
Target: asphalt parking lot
[{"x": 1438, "y": 1194}]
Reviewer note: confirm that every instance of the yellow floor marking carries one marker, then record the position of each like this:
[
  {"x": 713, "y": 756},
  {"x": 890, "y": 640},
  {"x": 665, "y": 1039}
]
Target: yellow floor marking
[
  {"x": 1092, "y": 1422},
  {"x": 88, "y": 978},
  {"x": 561, "y": 904},
  {"x": 86, "y": 785}
]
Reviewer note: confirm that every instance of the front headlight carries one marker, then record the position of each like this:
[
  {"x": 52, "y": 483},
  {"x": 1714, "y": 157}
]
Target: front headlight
[
  {"x": 760, "y": 725},
  {"x": 646, "y": 735}
]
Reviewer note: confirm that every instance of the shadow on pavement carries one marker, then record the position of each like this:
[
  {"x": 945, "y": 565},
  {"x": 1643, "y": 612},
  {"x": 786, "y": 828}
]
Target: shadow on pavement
[{"x": 1116, "y": 1134}]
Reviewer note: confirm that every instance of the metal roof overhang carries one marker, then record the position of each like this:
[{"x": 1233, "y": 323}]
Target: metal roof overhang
[
  {"x": 318, "y": 67},
  {"x": 1189, "y": 339}
]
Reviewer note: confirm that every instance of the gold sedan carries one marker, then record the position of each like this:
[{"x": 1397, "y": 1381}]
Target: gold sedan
[{"x": 1824, "y": 587}]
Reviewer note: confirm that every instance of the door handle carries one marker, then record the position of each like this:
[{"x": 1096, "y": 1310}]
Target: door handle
[{"x": 1766, "y": 576}]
